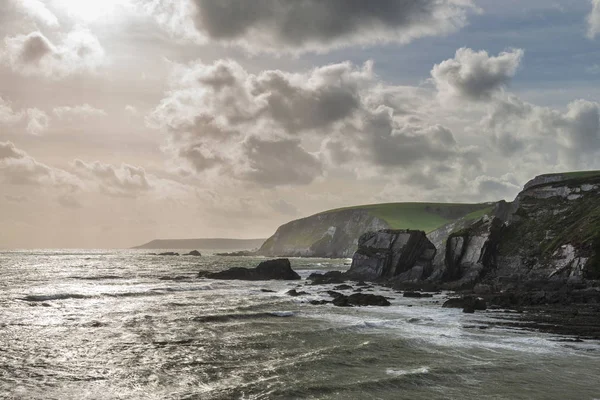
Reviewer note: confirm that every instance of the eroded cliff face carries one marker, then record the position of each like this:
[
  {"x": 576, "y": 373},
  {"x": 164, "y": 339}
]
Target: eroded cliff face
[
  {"x": 547, "y": 240},
  {"x": 331, "y": 235},
  {"x": 554, "y": 234},
  {"x": 401, "y": 255}
]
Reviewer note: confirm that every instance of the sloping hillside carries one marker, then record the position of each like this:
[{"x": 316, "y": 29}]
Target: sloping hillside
[{"x": 335, "y": 233}]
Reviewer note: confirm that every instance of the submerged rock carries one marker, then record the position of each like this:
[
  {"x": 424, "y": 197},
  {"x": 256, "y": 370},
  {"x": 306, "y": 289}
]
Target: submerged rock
[
  {"x": 401, "y": 255},
  {"x": 168, "y": 253},
  {"x": 279, "y": 269}
]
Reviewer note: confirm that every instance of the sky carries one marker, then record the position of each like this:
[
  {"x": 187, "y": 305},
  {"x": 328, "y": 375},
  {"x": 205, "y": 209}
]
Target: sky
[{"x": 123, "y": 121}]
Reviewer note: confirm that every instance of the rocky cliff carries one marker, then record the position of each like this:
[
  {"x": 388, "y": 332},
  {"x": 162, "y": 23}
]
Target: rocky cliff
[
  {"x": 404, "y": 255},
  {"x": 335, "y": 233},
  {"x": 545, "y": 242}
]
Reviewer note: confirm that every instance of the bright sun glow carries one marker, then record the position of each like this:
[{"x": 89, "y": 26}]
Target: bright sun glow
[{"x": 91, "y": 10}]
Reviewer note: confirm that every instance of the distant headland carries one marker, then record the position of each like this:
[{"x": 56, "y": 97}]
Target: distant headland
[{"x": 204, "y": 244}]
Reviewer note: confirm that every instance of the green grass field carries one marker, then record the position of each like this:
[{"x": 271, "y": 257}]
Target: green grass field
[{"x": 423, "y": 216}]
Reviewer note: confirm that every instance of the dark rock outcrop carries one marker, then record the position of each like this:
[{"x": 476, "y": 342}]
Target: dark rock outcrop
[
  {"x": 470, "y": 253},
  {"x": 468, "y": 303},
  {"x": 279, "y": 269},
  {"x": 331, "y": 277},
  {"x": 295, "y": 293},
  {"x": 401, "y": 255},
  {"x": 416, "y": 295},
  {"x": 168, "y": 253},
  {"x": 194, "y": 253},
  {"x": 360, "y": 300},
  {"x": 242, "y": 253}
]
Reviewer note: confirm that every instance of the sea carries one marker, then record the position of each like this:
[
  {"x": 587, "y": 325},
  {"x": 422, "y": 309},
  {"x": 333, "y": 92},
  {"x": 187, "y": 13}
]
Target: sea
[{"x": 125, "y": 324}]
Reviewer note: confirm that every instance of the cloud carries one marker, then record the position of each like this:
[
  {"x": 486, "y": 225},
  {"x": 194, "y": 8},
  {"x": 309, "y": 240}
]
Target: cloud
[
  {"x": 69, "y": 201},
  {"x": 38, "y": 121},
  {"x": 16, "y": 199},
  {"x": 18, "y": 168},
  {"x": 35, "y": 54},
  {"x": 7, "y": 115},
  {"x": 593, "y": 20},
  {"x": 84, "y": 111},
  {"x": 568, "y": 139},
  {"x": 475, "y": 75},
  {"x": 256, "y": 128},
  {"x": 131, "y": 110},
  {"x": 38, "y": 11},
  {"x": 284, "y": 207},
  {"x": 309, "y": 25},
  {"x": 123, "y": 181},
  {"x": 275, "y": 162}
]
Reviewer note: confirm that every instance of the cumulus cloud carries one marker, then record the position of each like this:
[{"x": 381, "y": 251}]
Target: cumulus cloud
[
  {"x": 257, "y": 127},
  {"x": 570, "y": 139},
  {"x": 19, "y": 168},
  {"x": 593, "y": 20},
  {"x": 38, "y": 11},
  {"x": 125, "y": 181},
  {"x": 83, "y": 111},
  {"x": 34, "y": 54},
  {"x": 475, "y": 75},
  {"x": 38, "y": 121},
  {"x": 309, "y": 25}
]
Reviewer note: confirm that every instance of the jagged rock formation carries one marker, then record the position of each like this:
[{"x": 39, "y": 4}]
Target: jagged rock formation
[
  {"x": 402, "y": 255},
  {"x": 554, "y": 234},
  {"x": 470, "y": 252},
  {"x": 544, "y": 247}
]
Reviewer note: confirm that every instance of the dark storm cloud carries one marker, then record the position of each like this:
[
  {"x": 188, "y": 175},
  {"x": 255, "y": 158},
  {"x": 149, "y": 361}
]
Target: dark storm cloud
[{"x": 312, "y": 25}]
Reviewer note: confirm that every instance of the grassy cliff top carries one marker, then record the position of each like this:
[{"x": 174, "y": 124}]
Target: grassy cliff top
[
  {"x": 422, "y": 216},
  {"x": 575, "y": 174}
]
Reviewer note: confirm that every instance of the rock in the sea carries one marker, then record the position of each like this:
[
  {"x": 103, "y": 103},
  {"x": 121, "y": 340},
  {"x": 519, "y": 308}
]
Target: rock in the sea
[
  {"x": 417, "y": 295},
  {"x": 279, "y": 269},
  {"x": 402, "y": 255},
  {"x": 472, "y": 251},
  {"x": 467, "y": 303},
  {"x": 295, "y": 293},
  {"x": 360, "y": 299},
  {"x": 327, "y": 278},
  {"x": 168, "y": 253},
  {"x": 194, "y": 253},
  {"x": 342, "y": 287}
]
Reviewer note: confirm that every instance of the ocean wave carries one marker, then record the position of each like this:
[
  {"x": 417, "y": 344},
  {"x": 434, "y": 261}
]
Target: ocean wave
[
  {"x": 402, "y": 372},
  {"x": 238, "y": 316},
  {"x": 50, "y": 297}
]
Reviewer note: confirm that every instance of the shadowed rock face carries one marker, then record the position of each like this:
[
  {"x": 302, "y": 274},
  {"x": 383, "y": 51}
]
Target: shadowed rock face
[
  {"x": 279, "y": 269},
  {"x": 402, "y": 255},
  {"x": 470, "y": 253}
]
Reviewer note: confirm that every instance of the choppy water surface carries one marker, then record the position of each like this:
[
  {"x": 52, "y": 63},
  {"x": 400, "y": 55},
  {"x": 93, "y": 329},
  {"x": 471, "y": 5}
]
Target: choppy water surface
[{"x": 127, "y": 325}]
